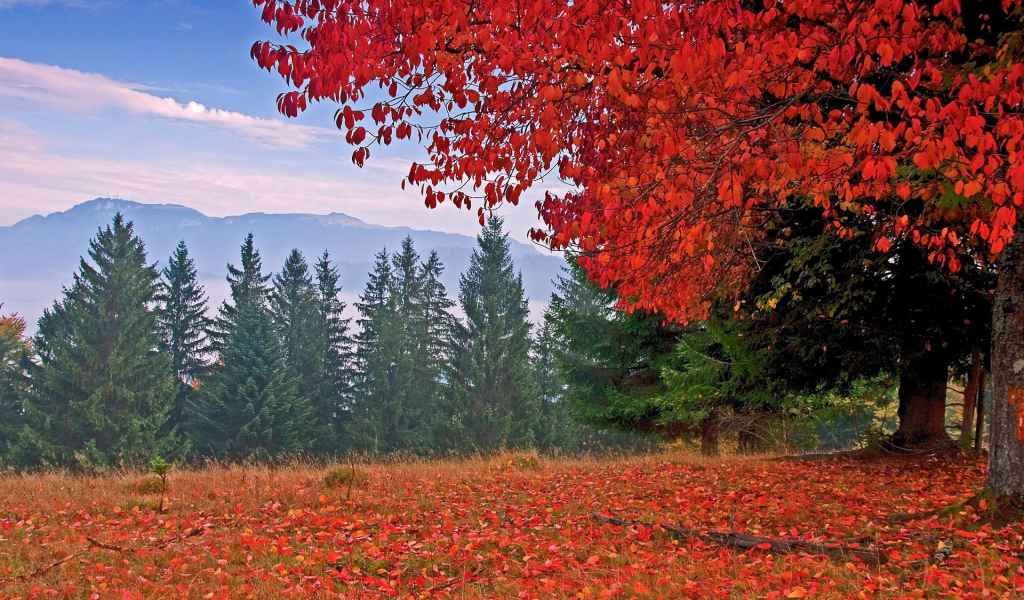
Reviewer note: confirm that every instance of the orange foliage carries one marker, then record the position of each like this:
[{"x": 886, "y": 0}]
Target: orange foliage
[
  {"x": 481, "y": 530},
  {"x": 13, "y": 343},
  {"x": 683, "y": 127}
]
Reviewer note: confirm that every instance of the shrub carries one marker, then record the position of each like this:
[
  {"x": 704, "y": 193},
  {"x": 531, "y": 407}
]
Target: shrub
[
  {"x": 149, "y": 485},
  {"x": 343, "y": 477},
  {"x": 521, "y": 461}
]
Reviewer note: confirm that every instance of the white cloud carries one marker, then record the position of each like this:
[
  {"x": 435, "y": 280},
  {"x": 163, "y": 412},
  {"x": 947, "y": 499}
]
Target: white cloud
[
  {"x": 73, "y": 91},
  {"x": 35, "y": 179}
]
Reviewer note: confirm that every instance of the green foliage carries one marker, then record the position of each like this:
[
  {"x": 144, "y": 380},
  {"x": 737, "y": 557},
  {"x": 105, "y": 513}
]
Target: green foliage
[
  {"x": 404, "y": 343},
  {"x": 104, "y": 390},
  {"x": 490, "y": 402},
  {"x": 295, "y": 310},
  {"x": 333, "y": 401},
  {"x": 382, "y": 417},
  {"x": 159, "y": 467},
  {"x": 248, "y": 285},
  {"x": 251, "y": 404},
  {"x": 610, "y": 361},
  {"x": 833, "y": 311},
  {"x": 183, "y": 323},
  {"x": 716, "y": 370}
]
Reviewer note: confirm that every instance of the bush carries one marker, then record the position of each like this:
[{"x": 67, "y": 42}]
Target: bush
[
  {"x": 149, "y": 485},
  {"x": 520, "y": 461},
  {"x": 343, "y": 477}
]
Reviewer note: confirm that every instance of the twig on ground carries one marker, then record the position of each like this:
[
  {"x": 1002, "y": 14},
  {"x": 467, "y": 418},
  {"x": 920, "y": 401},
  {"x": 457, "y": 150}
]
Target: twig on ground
[
  {"x": 743, "y": 541},
  {"x": 94, "y": 543}
]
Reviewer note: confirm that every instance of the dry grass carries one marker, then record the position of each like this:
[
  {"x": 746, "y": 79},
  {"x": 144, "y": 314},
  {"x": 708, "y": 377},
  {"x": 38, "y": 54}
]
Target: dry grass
[{"x": 508, "y": 526}]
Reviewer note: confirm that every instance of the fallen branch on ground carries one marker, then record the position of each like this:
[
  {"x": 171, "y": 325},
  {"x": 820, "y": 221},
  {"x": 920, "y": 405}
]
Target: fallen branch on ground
[
  {"x": 94, "y": 543},
  {"x": 744, "y": 541}
]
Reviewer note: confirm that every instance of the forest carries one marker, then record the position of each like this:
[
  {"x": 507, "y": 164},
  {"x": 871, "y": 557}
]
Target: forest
[{"x": 131, "y": 364}]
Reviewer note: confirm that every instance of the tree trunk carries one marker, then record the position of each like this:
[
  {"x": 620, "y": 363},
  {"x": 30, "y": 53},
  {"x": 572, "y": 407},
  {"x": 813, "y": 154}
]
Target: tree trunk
[
  {"x": 748, "y": 437},
  {"x": 979, "y": 428},
  {"x": 1006, "y": 442},
  {"x": 922, "y": 409},
  {"x": 710, "y": 431},
  {"x": 970, "y": 399}
]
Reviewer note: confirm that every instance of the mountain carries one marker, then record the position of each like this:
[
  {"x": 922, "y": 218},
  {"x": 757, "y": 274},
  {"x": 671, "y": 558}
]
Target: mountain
[{"x": 38, "y": 255}]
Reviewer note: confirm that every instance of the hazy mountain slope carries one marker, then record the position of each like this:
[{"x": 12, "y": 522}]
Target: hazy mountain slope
[{"x": 39, "y": 254}]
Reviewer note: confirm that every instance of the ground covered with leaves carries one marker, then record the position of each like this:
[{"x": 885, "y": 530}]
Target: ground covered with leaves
[{"x": 509, "y": 527}]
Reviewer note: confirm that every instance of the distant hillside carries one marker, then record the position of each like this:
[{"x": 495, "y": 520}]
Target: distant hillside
[{"x": 38, "y": 255}]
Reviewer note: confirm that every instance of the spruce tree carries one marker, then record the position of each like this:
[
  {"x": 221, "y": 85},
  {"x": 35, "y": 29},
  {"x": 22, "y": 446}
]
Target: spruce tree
[
  {"x": 610, "y": 360},
  {"x": 490, "y": 403},
  {"x": 295, "y": 309},
  {"x": 555, "y": 429},
  {"x": 337, "y": 382},
  {"x": 380, "y": 421},
  {"x": 104, "y": 390},
  {"x": 184, "y": 323},
  {"x": 411, "y": 368},
  {"x": 247, "y": 283},
  {"x": 250, "y": 405},
  {"x": 434, "y": 333}
]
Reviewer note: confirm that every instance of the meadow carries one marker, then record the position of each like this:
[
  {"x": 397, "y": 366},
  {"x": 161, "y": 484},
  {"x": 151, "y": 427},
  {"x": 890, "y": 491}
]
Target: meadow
[{"x": 511, "y": 526}]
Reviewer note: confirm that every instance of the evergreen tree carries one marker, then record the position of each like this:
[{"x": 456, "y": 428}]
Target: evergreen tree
[
  {"x": 410, "y": 360},
  {"x": 490, "y": 401},
  {"x": 555, "y": 429},
  {"x": 184, "y": 323},
  {"x": 251, "y": 404},
  {"x": 434, "y": 333},
  {"x": 104, "y": 389},
  {"x": 247, "y": 284},
  {"x": 379, "y": 420},
  {"x": 295, "y": 309},
  {"x": 335, "y": 395},
  {"x": 406, "y": 323},
  {"x": 611, "y": 361},
  {"x": 561, "y": 426}
]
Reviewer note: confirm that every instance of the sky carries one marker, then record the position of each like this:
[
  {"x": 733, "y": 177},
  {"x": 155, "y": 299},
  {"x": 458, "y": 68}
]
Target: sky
[{"x": 158, "y": 101}]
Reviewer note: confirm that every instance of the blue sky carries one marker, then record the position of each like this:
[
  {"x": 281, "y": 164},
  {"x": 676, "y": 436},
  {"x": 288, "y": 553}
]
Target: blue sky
[{"x": 158, "y": 101}]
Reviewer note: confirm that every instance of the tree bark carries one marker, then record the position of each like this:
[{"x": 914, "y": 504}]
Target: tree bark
[
  {"x": 747, "y": 435},
  {"x": 979, "y": 426},
  {"x": 1006, "y": 442},
  {"x": 922, "y": 409},
  {"x": 970, "y": 399},
  {"x": 710, "y": 431}
]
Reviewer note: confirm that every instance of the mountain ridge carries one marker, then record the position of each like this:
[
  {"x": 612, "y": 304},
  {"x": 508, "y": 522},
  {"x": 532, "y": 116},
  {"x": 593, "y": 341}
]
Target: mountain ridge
[{"x": 40, "y": 253}]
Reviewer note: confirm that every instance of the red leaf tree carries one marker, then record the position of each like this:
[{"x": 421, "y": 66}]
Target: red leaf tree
[{"x": 685, "y": 128}]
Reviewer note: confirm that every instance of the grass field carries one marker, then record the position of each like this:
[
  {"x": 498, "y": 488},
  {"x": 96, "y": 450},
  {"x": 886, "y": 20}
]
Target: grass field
[{"x": 508, "y": 527}]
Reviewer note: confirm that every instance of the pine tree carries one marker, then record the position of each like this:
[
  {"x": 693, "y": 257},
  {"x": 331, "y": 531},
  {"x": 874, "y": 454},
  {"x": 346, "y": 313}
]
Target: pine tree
[
  {"x": 412, "y": 381},
  {"x": 611, "y": 361},
  {"x": 184, "y": 323},
  {"x": 337, "y": 381},
  {"x": 295, "y": 309},
  {"x": 434, "y": 332},
  {"x": 104, "y": 390},
  {"x": 250, "y": 405},
  {"x": 247, "y": 284},
  {"x": 380, "y": 422},
  {"x": 490, "y": 402},
  {"x": 555, "y": 430}
]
